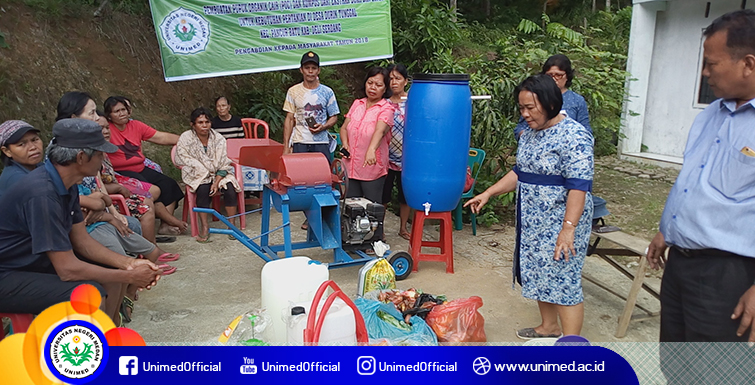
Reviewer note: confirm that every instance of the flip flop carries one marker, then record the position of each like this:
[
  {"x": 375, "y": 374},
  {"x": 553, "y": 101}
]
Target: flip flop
[
  {"x": 204, "y": 240},
  {"x": 305, "y": 225},
  {"x": 168, "y": 257},
  {"x": 126, "y": 304},
  {"x": 165, "y": 239},
  {"x": 531, "y": 334},
  {"x": 404, "y": 235},
  {"x": 167, "y": 269}
]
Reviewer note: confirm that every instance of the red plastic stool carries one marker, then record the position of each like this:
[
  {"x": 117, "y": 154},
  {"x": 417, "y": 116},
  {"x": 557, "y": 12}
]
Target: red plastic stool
[
  {"x": 20, "y": 322},
  {"x": 445, "y": 244}
]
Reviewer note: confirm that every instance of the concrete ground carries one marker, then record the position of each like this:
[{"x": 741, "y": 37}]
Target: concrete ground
[{"x": 218, "y": 281}]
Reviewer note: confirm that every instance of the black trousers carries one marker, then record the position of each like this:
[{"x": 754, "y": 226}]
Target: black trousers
[
  {"x": 393, "y": 176},
  {"x": 204, "y": 199},
  {"x": 323, "y": 148},
  {"x": 699, "y": 292},
  {"x": 36, "y": 290},
  {"x": 370, "y": 189}
]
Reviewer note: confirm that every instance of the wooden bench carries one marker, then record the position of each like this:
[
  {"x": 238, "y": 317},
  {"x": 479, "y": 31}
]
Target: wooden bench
[{"x": 633, "y": 247}]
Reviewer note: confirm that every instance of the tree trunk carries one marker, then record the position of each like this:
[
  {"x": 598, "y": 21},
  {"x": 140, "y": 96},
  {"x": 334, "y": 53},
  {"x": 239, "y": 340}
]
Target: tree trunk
[
  {"x": 487, "y": 8},
  {"x": 453, "y": 9},
  {"x": 594, "y": 6},
  {"x": 608, "y": 5}
]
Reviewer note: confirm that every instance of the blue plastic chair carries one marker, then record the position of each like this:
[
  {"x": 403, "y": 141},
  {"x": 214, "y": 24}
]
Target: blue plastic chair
[{"x": 476, "y": 157}]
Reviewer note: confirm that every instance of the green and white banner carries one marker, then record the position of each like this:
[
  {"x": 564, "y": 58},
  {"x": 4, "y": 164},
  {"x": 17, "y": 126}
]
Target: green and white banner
[{"x": 206, "y": 38}]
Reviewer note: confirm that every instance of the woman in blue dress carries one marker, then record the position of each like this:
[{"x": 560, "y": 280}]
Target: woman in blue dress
[
  {"x": 574, "y": 106},
  {"x": 553, "y": 179}
]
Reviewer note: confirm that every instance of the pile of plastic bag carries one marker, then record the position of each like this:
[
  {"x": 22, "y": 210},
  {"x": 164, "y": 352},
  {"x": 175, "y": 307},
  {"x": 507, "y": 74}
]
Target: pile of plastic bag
[{"x": 395, "y": 317}]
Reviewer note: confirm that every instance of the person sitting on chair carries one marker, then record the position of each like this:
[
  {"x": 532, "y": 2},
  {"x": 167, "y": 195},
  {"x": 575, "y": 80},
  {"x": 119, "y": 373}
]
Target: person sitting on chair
[{"x": 202, "y": 155}]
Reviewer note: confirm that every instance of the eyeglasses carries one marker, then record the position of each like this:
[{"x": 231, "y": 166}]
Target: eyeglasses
[{"x": 556, "y": 76}]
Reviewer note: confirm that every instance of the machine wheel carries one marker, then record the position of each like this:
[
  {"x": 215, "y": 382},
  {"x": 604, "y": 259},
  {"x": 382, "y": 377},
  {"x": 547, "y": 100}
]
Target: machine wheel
[
  {"x": 402, "y": 264},
  {"x": 338, "y": 168}
]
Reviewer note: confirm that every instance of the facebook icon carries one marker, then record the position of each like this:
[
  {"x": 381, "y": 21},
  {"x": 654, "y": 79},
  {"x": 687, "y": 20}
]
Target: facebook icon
[{"x": 128, "y": 365}]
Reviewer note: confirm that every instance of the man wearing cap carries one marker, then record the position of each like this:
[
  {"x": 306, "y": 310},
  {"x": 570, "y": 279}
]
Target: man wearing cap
[
  {"x": 311, "y": 110},
  {"x": 20, "y": 151},
  {"x": 43, "y": 226},
  {"x": 309, "y": 100}
]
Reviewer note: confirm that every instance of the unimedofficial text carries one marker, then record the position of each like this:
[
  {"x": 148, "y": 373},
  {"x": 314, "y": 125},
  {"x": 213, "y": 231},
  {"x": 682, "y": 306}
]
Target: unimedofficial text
[
  {"x": 186, "y": 366},
  {"x": 421, "y": 366},
  {"x": 306, "y": 366}
]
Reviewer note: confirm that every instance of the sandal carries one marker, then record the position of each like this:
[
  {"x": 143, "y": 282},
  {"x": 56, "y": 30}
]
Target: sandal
[
  {"x": 165, "y": 239},
  {"x": 231, "y": 237},
  {"x": 405, "y": 235},
  {"x": 126, "y": 304},
  {"x": 531, "y": 334},
  {"x": 305, "y": 225},
  {"x": 205, "y": 239},
  {"x": 168, "y": 257},
  {"x": 168, "y": 269}
]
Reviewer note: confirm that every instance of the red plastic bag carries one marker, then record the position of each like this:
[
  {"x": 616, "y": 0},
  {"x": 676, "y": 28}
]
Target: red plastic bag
[{"x": 458, "y": 321}]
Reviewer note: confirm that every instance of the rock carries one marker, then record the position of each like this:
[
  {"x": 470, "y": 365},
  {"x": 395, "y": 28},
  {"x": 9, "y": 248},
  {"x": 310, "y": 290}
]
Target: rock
[
  {"x": 619, "y": 169},
  {"x": 634, "y": 172},
  {"x": 644, "y": 176},
  {"x": 632, "y": 264}
]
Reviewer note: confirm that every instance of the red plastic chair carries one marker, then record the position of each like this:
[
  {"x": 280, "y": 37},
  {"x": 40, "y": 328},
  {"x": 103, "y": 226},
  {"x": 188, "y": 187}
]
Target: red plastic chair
[
  {"x": 251, "y": 131},
  {"x": 191, "y": 200},
  {"x": 122, "y": 207},
  {"x": 251, "y": 126},
  {"x": 19, "y": 322},
  {"x": 314, "y": 327}
]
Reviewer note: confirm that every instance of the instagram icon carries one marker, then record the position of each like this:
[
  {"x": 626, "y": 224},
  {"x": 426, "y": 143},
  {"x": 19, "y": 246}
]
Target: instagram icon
[{"x": 366, "y": 365}]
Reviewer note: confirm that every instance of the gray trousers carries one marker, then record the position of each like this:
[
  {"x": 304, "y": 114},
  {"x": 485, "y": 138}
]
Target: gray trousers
[{"x": 134, "y": 244}]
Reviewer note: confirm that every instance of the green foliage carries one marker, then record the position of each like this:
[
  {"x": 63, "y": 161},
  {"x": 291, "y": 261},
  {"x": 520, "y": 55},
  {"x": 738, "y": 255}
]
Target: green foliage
[
  {"x": 497, "y": 59},
  {"x": 263, "y": 99},
  {"x": 423, "y": 31}
]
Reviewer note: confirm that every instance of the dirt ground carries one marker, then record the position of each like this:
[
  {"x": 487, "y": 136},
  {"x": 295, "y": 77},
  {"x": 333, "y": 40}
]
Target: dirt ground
[{"x": 218, "y": 281}]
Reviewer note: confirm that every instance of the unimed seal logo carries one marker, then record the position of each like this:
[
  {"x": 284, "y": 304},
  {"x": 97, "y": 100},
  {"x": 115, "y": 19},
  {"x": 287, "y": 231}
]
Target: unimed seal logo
[
  {"x": 185, "y": 32},
  {"x": 76, "y": 352}
]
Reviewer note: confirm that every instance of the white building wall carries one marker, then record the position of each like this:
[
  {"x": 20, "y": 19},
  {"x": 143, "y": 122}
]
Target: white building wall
[
  {"x": 665, "y": 96},
  {"x": 672, "y": 87}
]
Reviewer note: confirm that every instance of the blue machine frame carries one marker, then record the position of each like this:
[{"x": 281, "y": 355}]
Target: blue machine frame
[{"x": 320, "y": 205}]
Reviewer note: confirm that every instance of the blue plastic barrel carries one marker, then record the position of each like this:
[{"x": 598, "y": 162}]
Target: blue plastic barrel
[{"x": 436, "y": 140}]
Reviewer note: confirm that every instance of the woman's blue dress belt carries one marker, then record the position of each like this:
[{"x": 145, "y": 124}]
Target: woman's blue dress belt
[{"x": 553, "y": 180}]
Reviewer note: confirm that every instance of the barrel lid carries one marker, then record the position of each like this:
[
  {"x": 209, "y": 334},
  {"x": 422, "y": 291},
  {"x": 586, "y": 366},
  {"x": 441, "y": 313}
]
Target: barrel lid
[
  {"x": 296, "y": 310},
  {"x": 442, "y": 77}
]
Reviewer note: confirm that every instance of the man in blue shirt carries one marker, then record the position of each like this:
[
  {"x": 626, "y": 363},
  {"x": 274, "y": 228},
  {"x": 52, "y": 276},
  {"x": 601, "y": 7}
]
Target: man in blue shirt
[
  {"x": 43, "y": 226},
  {"x": 707, "y": 292}
]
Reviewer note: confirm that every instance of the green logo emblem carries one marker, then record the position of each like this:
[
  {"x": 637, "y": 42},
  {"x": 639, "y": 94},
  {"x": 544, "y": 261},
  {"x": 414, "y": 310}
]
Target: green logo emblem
[
  {"x": 76, "y": 357},
  {"x": 183, "y": 33}
]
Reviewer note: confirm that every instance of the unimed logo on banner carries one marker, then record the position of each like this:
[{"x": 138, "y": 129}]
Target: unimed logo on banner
[
  {"x": 128, "y": 365},
  {"x": 185, "y": 32}
]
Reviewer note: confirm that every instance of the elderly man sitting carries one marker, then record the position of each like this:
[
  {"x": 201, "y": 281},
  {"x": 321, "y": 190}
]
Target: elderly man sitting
[{"x": 43, "y": 226}]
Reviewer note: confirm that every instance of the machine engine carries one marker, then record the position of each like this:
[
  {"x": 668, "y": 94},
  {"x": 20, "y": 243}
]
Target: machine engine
[{"x": 362, "y": 221}]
